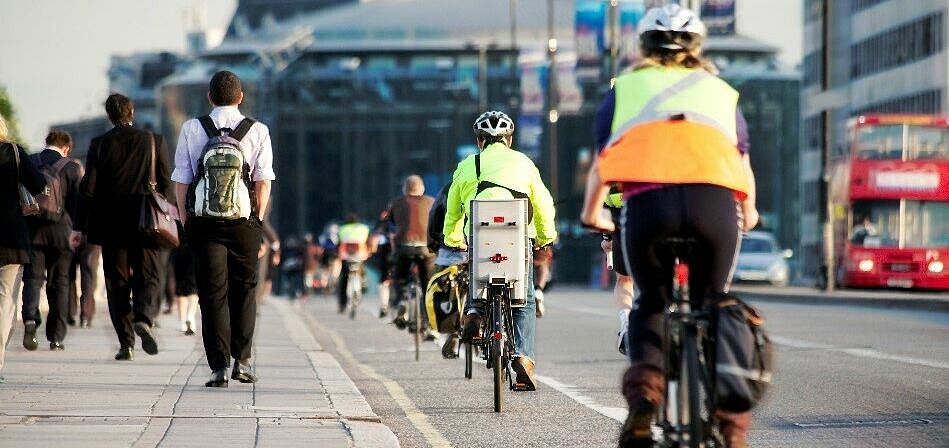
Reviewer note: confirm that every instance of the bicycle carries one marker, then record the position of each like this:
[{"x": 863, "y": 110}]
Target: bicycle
[
  {"x": 687, "y": 419},
  {"x": 411, "y": 294},
  {"x": 496, "y": 341}
]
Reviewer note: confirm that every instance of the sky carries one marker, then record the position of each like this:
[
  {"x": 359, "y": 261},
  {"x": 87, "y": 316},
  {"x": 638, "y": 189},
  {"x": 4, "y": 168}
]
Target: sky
[{"x": 55, "y": 67}]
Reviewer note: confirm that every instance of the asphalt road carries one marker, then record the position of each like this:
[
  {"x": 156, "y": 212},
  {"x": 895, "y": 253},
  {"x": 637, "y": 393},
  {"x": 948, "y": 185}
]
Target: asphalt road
[{"x": 848, "y": 376}]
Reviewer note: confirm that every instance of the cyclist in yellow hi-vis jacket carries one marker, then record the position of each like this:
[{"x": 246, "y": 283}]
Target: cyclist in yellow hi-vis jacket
[{"x": 500, "y": 172}]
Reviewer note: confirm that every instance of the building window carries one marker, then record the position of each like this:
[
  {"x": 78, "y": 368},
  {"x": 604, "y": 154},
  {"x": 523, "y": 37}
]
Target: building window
[
  {"x": 859, "y": 5},
  {"x": 813, "y": 68},
  {"x": 928, "y": 102},
  {"x": 898, "y": 46},
  {"x": 813, "y": 131}
]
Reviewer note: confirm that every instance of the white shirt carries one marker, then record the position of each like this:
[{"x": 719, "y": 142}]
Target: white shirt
[{"x": 256, "y": 146}]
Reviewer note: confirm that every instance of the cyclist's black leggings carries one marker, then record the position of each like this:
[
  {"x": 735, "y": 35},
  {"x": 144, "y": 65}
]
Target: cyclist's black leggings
[{"x": 707, "y": 213}]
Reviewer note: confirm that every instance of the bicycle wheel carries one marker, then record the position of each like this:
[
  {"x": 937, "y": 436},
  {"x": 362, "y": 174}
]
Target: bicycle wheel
[
  {"x": 692, "y": 399},
  {"x": 469, "y": 362},
  {"x": 417, "y": 334},
  {"x": 497, "y": 360}
]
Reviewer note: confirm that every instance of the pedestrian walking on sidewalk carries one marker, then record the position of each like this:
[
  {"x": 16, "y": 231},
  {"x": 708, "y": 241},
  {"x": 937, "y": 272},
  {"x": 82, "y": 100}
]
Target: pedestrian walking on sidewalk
[
  {"x": 15, "y": 170},
  {"x": 223, "y": 170},
  {"x": 87, "y": 258},
  {"x": 50, "y": 232},
  {"x": 110, "y": 202}
]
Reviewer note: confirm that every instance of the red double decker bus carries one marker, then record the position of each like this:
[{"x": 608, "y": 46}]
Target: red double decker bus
[{"x": 890, "y": 199}]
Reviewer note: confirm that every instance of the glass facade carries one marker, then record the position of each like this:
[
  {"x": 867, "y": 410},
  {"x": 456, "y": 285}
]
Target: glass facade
[{"x": 898, "y": 46}]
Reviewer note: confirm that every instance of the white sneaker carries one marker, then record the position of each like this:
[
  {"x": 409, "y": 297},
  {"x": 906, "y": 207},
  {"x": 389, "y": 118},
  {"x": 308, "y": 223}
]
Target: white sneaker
[
  {"x": 622, "y": 340},
  {"x": 539, "y": 299}
]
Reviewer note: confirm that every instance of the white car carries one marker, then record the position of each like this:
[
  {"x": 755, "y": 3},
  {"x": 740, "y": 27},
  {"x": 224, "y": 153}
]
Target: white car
[{"x": 759, "y": 260}]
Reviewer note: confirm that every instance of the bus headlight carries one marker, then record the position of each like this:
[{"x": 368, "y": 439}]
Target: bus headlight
[
  {"x": 865, "y": 265},
  {"x": 936, "y": 266}
]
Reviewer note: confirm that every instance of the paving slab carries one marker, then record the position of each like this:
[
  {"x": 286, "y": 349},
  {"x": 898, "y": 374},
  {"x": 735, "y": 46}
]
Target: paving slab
[{"x": 81, "y": 397}]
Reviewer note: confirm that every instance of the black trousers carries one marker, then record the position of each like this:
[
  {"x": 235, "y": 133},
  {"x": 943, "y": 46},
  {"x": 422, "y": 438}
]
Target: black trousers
[
  {"x": 707, "y": 213},
  {"x": 133, "y": 283},
  {"x": 225, "y": 256},
  {"x": 50, "y": 265},
  {"x": 405, "y": 258},
  {"x": 86, "y": 259}
]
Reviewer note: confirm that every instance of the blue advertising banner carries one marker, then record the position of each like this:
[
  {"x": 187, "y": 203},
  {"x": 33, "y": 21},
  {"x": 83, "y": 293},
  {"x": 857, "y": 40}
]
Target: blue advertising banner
[
  {"x": 630, "y": 12},
  {"x": 719, "y": 17},
  {"x": 590, "y": 21}
]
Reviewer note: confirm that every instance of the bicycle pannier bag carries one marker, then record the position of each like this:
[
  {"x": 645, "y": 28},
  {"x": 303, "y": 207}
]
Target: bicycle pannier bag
[
  {"x": 222, "y": 189},
  {"x": 442, "y": 301},
  {"x": 744, "y": 356}
]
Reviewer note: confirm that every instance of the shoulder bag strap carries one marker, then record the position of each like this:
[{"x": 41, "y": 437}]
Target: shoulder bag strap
[
  {"x": 16, "y": 160},
  {"x": 151, "y": 169}
]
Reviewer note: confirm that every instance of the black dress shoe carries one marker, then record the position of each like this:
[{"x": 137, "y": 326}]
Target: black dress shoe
[
  {"x": 85, "y": 323},
  {"x": 29, "y": 335},
  {"x": 218, "y": 379},
  {"x": 71, "y": 321},
  {"x": 242, "y": 373},
  {"x": 56, "y": 346},
  {"x": 144, "y": 331},
  {"x": 125, "y": 354}
]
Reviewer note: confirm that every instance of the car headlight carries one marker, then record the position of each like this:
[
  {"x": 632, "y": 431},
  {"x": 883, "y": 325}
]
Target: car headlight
[
  {"x": 936, "y": 266},
  {"x": 865, "y": 265}
]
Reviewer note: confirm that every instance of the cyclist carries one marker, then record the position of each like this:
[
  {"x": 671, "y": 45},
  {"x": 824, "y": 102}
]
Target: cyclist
[
  {"x": 380, "y": 246},
  {"x": 409, "y": 216},
  {"x": 504, "y": 174},
  {"x": 677, "y": 146},
  {"x": 353, "y": 249},
  {"x": 624, "y": 289}
]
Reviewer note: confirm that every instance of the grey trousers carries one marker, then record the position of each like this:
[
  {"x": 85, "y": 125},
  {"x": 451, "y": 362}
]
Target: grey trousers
[{"x": 11, "y": 281}]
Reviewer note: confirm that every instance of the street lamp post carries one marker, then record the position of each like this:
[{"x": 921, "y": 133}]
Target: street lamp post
[{"x": 552, "y": 114}]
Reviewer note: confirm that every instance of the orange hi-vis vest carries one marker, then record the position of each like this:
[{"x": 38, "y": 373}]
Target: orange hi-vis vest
[{"x": 674, "y": 126}]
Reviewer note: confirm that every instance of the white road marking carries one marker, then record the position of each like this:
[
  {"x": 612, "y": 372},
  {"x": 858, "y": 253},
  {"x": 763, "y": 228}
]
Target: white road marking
[
  {"x": 618, "y": 414},
  {"x": 418, "y": 418},
  {"x": 859, "y": 352}
]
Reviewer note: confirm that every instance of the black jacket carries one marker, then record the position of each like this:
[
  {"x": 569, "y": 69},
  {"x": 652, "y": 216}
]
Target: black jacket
[
  {"x": 436, "y": 219},
  {"x": 57, "y": 234},
  {"x": 116, "y": 181},
  {"x": 14, "y": 236}
]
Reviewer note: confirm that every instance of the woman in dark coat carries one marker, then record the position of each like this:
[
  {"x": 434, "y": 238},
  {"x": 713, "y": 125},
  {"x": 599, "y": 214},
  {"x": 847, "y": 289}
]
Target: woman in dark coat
[{"x": 14, "y": 235}]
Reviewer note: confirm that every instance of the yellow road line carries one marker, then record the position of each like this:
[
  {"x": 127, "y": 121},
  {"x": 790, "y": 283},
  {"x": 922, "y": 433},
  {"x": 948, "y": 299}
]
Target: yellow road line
[{"x": 418, "y": 419}]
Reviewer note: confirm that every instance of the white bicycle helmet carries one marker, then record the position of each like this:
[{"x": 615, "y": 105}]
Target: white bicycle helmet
[
  {"x": 672, "y": 27},
  {"x": 494, "y": 123}
]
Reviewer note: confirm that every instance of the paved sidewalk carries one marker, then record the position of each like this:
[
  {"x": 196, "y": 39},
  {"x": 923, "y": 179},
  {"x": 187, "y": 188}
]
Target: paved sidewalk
[{"x": 81, "y": 397}]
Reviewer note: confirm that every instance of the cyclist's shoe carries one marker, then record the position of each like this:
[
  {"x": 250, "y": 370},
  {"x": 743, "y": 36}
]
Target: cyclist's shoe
[
  {"x": 524, "y": 374},
  {"x": 450, "y": 347},
  {"x": 734, "y": 427},
  {"x": 383, "y": 313},
  {"x": 539, "y": 299},
  {"x": 471, "y": 331},
  {"x": 643, "y": 387}
]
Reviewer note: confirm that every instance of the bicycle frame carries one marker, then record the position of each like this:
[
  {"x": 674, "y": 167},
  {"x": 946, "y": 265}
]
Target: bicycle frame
[
  {"x": 687, "y": 418},
  {"x": 497, "y": 338}
]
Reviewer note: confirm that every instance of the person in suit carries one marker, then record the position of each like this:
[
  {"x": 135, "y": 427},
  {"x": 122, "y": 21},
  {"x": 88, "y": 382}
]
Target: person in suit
[
  {"x": 110, "y": 201},
  {"x": 52, "y": 254},
  {"x": 15, "y": 167}
]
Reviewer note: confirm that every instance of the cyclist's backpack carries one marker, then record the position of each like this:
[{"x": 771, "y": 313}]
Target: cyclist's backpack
[
  {"x": 444, "y": 301},
  {"x": 744, "y": 356},
  {"x": 222, "y": 189},
  {"x": 52, "y": 198}
]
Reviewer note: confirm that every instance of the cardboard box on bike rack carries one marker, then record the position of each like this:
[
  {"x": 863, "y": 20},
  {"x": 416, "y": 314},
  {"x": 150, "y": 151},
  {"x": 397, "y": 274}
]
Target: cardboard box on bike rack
[{"x": 499, "y": 246}]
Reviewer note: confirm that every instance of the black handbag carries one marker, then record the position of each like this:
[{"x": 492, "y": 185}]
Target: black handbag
[
  {"x": 158, "y": 218},
  {"x": 744, "y": 356},
  {"x": 28, "y": 204}
]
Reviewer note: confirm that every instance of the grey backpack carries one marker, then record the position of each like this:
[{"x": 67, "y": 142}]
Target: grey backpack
[{"x": 222, "y": 189}]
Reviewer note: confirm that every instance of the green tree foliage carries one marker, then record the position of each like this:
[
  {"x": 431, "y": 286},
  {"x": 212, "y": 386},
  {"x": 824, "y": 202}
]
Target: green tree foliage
[{"x": 6, "y": 109}]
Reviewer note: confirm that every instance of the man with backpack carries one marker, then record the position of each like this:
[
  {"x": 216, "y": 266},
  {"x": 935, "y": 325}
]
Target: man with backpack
[
  {"x": 50, "y": 231},
  {"x": 223, "y": 170}
]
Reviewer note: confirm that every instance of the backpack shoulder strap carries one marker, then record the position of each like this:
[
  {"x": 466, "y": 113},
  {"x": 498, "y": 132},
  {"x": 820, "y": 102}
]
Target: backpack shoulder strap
[
  {"x": 242, "y": 128},
  {"x": 209, "y": 128},
  {"x": 60, "y": 164}
]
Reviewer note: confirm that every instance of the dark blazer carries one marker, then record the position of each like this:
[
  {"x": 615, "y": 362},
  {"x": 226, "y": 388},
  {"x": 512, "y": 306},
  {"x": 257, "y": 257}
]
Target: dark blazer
[
  {"x": 57, "y": 234},
  {"x": 14, "y": 236},
  {"x": 116, "y": 181}
]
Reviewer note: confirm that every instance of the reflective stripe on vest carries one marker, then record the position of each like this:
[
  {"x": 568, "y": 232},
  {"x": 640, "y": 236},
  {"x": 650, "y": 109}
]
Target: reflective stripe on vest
[{"x": 675, "y": 126}]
